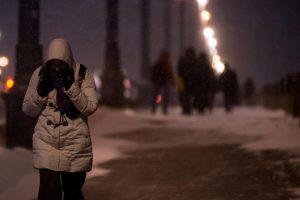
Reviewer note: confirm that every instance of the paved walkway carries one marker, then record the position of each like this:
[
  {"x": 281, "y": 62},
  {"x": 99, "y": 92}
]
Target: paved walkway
[{"x": 164, "y": 167}]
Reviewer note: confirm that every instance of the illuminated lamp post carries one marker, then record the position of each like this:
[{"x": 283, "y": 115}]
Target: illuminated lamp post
[
  {"x": 208, "y": 32},
  {"x": 212, "y": 42},
  {"x": 202, "y": 4},
  {"x": 205, "y": 16},
  {"x": 3, "y": 63},
  {"x": 209, "y": 36}
]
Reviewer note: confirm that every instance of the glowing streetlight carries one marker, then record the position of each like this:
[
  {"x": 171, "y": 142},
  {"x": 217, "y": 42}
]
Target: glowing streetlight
[
  {"x": 213, "y": 51},
  {"x": 208, "y": 32},
  {"x": 3, "y": 61},
  {"x": 212, "y": 42},
  {"x": 202, "y": 3},
  {"x": 205, "y": 15},
  {"x": 9, "y": 84},
  {"x": 209, "y": 35},
  {"x": 219, "y": 67},
  {"x": 216, "y": 58}
]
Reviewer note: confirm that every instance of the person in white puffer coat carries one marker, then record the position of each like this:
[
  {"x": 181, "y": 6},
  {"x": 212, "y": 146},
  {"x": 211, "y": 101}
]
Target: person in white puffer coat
[{"x": 62, "y": 94}]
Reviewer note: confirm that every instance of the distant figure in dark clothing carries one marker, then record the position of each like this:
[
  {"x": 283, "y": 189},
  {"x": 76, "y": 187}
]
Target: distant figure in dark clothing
[
  {"x": 204, "y": 82},
  {"x": 249, "y": 91},
  {"x": 162, "y": 78},
  {"x": 229, "y": 85},
  {"x": 186, "y": 68}
]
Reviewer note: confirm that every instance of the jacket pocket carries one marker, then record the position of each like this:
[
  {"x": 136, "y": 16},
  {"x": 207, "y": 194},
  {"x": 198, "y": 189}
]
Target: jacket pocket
[{"x": 82, "y": 145}]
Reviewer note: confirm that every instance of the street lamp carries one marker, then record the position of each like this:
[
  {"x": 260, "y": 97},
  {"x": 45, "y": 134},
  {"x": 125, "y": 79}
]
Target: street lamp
[
  {"x": 213, "y": 51},
  {"x": 208, "y": 32},
  {"x": 202, "y": 3},
  {"x": 209, "y": 35},
  {"x": 205, "y": 15},
  {"x": 219, "y": 67},
  {"x": 212, "y": 42},
  {"x": 216, "y": 58},
  {"x": 3, "y": 61}
]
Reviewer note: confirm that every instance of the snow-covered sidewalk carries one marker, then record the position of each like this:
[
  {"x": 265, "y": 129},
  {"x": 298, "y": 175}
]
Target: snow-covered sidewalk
[{"x": 264, "y": 130}]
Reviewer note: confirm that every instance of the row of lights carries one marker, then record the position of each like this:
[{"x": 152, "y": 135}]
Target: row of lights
[
  {"x": 209, "y": 36},
  {"x": 4, "y": 61}
]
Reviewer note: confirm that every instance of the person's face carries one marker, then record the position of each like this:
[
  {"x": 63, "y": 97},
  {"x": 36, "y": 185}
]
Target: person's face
[{"x": 57, "y": 66}]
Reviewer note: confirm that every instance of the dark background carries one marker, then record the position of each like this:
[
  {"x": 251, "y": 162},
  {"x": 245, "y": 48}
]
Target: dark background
[{"x": 260, "y": 38}]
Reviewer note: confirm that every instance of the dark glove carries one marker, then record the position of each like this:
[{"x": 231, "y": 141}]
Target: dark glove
[
  {"x": 69, "y": 109},
  {"x": 65, "y": 105},
  {"x": 61, "y": 73},
  {"x": 56, "y": 79},
  {"x": 68, "y": 78},
  {"x": 45, "y": 84}
]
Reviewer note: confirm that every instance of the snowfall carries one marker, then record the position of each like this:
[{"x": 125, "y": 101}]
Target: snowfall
[{"x": 272, "y": 130}]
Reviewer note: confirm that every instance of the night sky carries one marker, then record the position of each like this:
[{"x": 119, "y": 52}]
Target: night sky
[{"x": 259, "y": 38}]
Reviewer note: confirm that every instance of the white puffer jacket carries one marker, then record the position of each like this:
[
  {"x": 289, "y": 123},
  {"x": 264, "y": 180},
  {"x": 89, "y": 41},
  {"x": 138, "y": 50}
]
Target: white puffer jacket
[{"x": 64, "y": 148}]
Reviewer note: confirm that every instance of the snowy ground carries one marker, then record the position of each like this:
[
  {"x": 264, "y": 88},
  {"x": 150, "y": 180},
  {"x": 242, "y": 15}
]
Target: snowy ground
[{"x": 257, "y": 129}]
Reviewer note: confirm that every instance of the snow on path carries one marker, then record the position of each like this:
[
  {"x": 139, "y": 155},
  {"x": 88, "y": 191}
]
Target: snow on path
[{"x": 275, "y": 130}]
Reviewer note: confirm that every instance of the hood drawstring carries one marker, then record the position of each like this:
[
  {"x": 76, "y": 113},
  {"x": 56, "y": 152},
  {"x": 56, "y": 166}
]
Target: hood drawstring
[
  {"x": 62, "y": 118},
  {"x": 60, "y": 49},
  {"x": 62, "y": 121}
]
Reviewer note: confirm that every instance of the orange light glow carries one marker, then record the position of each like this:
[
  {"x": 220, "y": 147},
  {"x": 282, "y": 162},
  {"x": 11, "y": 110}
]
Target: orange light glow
[{"x": 9, "y": 84}]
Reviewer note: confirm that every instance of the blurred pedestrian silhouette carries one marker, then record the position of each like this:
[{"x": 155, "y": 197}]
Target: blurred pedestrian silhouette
[
  {"x": 229, "y": 85},
  {"x": 186, "y": 68},
  {"x": 249, "y": 91},
  {"x": 204, "y": 82},
  {"x": 162, "y": 79}
]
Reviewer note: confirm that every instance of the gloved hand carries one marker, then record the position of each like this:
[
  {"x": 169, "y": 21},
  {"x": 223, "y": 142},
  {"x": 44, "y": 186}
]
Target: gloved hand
[
  {"x": 68, "y": 78},
  {"x": 56, "y": 79},
  {"x": 61, "y": 73},
  {"x": 66, "y": 107},
  {"x": 45, "y": 84}
]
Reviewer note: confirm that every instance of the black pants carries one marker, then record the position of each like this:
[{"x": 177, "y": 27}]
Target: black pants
[{"x": 52, "y": 184}]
